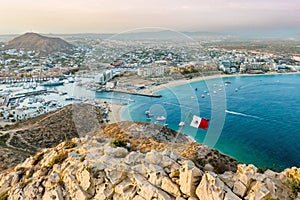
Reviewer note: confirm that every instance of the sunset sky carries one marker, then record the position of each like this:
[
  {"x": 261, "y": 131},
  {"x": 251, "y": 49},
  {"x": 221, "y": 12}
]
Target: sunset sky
[{"x": 99, "y": 16}]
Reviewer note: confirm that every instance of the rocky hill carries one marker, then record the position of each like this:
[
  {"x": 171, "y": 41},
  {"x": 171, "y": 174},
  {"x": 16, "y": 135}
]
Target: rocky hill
[
  {"x": 100, "y": 168},
  {"x": 127, "y": 160},
  {"x": 26, "y": 138},
  {"x": 41, "y": 44}
]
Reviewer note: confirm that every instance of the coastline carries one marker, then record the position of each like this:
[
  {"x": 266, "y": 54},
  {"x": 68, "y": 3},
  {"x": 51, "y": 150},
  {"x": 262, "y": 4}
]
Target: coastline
[
  {"x": 204, "y": 78},
  {"x": 116, "y": 108}
]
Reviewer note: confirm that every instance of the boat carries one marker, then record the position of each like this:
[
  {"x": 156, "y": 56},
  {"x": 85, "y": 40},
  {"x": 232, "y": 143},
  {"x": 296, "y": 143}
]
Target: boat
[
  {"x": 100, "y": 90},
  {"x": 181, "y": 124},
  {"x": 62, "y": 93},
  {"x": 131, "y": 100},
  {"x": 53, "y": 82},
  {"x": 203, "y": 96},
  {"x": 161, "y": 118},
  {"x": 148, "y": 118},
  {"x": 150, "y": 115},
  {"x": 227, "y": 81},
  {"x": 147, "y": 112},
  {"x": 71, "y": 79},
  {"x": 166, "y": 125},
  {"x": 236, "y": 89}
]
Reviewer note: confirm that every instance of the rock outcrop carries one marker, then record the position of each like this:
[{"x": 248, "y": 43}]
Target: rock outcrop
[{"x": 98, "y": 168}]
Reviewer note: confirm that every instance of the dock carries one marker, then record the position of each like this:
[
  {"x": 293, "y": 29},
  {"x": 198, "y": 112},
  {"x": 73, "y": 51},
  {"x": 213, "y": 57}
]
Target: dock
[
  {"x": 8, "y": 99},
  {"x": 136, "y": 93}
]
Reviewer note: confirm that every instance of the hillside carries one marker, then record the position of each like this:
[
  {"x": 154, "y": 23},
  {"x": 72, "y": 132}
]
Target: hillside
[
  {"x": 99, "y": 168},
  {"x": 125, "y": 160},
  {"x": 26, "y": 138},
  {"x": 41, "y": 44}
]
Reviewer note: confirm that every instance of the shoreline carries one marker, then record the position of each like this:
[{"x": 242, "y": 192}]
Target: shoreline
[
  {"x": 205, "y": 78},
  {"x": 116, "y": 109}
]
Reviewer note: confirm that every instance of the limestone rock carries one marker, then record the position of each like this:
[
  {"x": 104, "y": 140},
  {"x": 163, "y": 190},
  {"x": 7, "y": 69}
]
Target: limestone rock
[
  {"x": 210, "y": 187},
  {"x": 258, "y": 191},
  {"x": 246, "y": 174},
  {"x": 208, "y": 167},
  {"x": 134, "y": 158},
  {"x": 96, "y": 170},
  {"x": 170, "y": 187},
  {"x": 154, "y": 157},
  {"x": 189, "y": 178},
  {"x": 239, "y": 188}
]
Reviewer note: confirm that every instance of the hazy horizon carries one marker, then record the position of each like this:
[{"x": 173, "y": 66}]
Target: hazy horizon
[{"x": 98, "y": 16}]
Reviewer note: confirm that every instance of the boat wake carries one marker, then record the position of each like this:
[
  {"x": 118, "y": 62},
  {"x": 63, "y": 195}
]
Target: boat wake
[{"x": 241, "y": 114}]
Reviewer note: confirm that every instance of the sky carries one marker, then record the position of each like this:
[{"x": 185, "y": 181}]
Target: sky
[{"x": 115, "y": 16}]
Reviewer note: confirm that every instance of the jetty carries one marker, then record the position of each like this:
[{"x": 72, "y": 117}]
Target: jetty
[{"x": 135, "y": 93}]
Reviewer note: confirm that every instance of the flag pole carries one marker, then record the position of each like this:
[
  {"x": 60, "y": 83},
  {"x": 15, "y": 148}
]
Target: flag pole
[{"x": 179, "y": 131}]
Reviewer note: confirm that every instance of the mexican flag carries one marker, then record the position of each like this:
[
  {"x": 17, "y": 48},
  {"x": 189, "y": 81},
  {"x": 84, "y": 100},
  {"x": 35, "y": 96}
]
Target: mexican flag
[{"x": 199, "y": 122}]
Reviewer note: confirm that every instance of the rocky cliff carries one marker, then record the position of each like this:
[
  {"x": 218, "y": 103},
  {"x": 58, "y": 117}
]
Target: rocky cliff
[
  {"x": 126, "y": 160},
  {"x": 96, "y": 167}
]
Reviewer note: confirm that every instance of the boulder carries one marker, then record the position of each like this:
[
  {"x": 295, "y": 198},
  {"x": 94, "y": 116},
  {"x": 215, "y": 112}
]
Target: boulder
[
  {"x": 258, "y": 191},
  {"x": 189, "y": 177},
  {"x": 154, "y": 157},
  {"x": 170, "y": 187},
  {"x": 134, "y": 158},
  {"x": 246, "y": 174},
  {"x": 125, "y": 190},
  {"x": 210, "y": 187},
  {"x": 239, "y": 188}
]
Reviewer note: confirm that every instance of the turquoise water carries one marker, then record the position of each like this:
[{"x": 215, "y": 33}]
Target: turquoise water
[{"x": 261, "y": 124}]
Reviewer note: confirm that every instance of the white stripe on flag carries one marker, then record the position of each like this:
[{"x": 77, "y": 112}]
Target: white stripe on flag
[{"x": 196, "y": 121}]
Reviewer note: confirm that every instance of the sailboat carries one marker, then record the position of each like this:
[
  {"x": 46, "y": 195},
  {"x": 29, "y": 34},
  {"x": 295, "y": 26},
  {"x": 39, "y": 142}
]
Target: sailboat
[
  {"x": 181, "y": 124},
  {"x": 161, "y": 118}
]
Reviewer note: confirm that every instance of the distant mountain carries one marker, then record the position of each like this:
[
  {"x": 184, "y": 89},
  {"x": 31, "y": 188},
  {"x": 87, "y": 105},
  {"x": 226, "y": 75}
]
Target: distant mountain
[
  {"x": 196, "y": 36},
  {"x": 41, "y": 44}
]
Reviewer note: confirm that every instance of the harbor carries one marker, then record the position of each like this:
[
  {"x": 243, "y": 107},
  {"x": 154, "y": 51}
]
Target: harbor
[{"x": 21, "y": 99}]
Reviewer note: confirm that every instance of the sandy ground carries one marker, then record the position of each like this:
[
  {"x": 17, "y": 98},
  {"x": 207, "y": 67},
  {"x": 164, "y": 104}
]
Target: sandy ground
[{"x": 115, "y": 114}]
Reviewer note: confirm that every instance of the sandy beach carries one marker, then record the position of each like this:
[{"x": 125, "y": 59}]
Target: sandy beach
[
  {"x": 115, "y": 114},
  {"x": 204, "y": 78}
]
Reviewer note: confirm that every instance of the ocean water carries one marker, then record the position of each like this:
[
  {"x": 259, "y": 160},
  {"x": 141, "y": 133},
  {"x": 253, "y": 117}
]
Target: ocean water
[{"x": 254, "y": 119}]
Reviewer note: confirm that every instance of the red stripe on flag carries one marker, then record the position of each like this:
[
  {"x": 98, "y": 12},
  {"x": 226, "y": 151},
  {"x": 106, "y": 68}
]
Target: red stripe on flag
[{"x": 204, "y": 123}]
